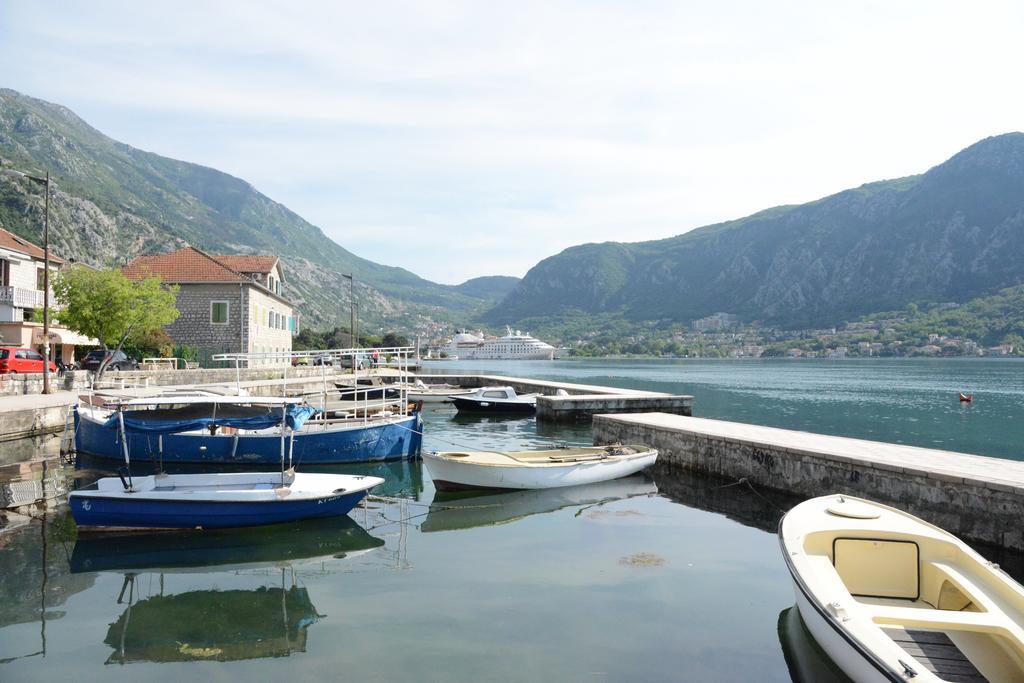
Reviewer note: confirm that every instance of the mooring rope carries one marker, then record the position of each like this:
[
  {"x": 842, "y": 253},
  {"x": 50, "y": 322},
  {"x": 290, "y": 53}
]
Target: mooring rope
[{"x": 743, "y": 481}]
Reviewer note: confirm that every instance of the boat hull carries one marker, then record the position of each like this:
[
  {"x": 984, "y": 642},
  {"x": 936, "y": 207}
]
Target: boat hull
[
  {"x": 466, "y": 405},
  {"x": 223, "y": 508},
  {"x": 110, "y": 512},
  {"x": 434, "y": 397},
  {"x": 350, "y": 393},
  {"x": 830, "y": 638},
  {"x": 806, "y": 660},
  {"x": 392, "y": 440},
  {"x": 449, "y": 475}
]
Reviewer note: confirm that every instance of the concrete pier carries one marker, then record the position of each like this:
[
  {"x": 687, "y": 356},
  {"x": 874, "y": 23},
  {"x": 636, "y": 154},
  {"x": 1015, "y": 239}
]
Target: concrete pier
[
  {"x": 582, "y": 407},
  {"x": 976, "y": 497},
  {"x": 34, "y": 414}
]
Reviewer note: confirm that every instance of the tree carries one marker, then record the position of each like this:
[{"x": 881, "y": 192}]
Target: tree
[
  {"x": 108, "y": 306},
  {"x": 392, "y": 339}
]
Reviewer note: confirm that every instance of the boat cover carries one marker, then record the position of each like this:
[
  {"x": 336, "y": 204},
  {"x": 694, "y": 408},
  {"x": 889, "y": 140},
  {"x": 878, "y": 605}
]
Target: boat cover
[{"x": 192, "y": 417}]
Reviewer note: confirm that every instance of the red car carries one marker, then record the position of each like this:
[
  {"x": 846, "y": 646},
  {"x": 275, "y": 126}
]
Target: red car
[{"x": 14, "y": 360}]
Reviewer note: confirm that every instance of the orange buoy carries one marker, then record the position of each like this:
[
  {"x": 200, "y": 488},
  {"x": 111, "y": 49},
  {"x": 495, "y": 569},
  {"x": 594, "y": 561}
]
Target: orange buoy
[{"x": 966, "y": 398}]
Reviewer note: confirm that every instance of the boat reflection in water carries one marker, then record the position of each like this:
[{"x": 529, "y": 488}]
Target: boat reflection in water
[
  {"x": 204, "y": 625},
  {"x": 199, "y": 551},
  {"x": 468, "y": 509},
  {"x": 226, "y": 623},
  {"x": 807, "y": 662}
]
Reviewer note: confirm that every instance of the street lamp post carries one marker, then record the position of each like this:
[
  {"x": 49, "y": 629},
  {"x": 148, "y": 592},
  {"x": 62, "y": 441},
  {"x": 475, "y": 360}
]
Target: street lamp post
[
  {"x": 352, "y": 309},
  {"x": 45, "y": 182}
]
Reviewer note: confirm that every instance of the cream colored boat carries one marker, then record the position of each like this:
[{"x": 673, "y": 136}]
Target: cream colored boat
[
  {"x": 536, "y": 469},
  {"x": 890, "y": 597}
]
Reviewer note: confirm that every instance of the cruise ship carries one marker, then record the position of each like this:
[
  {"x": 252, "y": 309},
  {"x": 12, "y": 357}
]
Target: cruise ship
[{"x": 513, "y": 346}]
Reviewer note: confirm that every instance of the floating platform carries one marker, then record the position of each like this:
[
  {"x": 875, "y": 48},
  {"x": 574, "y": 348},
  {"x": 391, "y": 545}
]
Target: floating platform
[{"x": 975, "y": 497}]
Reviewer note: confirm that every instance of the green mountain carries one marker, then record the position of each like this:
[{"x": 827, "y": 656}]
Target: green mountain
[
  {"x": 489, "y": 287},
  {"x": 951, "y": 234},
  {"x": 989, "y": 320},
  {"x": 114, "y": 202}
]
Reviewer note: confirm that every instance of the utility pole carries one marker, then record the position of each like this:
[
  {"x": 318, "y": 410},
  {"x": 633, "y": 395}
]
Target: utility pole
[
  {"x": 46, "y": 288},
  {"x": 352, "y": 309}
]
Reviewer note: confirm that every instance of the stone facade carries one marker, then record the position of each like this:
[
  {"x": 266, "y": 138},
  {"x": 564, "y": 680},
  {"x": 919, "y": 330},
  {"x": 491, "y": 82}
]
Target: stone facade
[
  {"x": 257, "y": 321},
  {"x": 194, "y": 327},
  {"x": 270, "y": 322}
]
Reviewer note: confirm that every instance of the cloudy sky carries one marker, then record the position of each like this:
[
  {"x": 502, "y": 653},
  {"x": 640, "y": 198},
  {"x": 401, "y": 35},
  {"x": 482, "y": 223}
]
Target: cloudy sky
[{"x": 459, "y": 139}]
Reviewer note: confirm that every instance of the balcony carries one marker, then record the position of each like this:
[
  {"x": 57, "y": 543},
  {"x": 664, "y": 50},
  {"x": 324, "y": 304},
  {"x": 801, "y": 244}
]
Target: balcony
[{"x": 21, "y": 298}]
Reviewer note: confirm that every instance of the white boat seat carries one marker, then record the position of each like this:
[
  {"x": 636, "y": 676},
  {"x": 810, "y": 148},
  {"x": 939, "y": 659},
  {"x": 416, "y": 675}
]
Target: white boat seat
[
  {"x": 938, "y": 619},
  {"x": 966, "y": 586},
  {"x": 916, "y": 616}
]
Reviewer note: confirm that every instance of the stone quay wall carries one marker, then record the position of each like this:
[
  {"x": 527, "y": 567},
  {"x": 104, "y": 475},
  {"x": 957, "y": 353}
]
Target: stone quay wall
[{"x": 975, "y": 497}]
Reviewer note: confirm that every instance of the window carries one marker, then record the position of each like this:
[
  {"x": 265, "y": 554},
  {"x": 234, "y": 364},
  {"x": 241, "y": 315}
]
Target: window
[
  {"x": 495, "y": 394},
  {"x": 219, "y": 312},
  {"x": 32, "y": 355},
  {"x": 41, "y": 278}
]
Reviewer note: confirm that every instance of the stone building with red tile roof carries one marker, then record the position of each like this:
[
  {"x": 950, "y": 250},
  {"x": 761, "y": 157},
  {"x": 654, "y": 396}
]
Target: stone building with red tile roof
[{"x": 228, "y": 304}]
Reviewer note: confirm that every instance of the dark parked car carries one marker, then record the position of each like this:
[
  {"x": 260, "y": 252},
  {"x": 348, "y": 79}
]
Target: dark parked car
[{"x": 118, "y": 361}]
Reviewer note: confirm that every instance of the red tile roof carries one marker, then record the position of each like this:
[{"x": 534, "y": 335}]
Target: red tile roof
[
  {"x": 8, "y": 240},
  {"x": 185, "y": 265},
  {"x": 249, "y": 264}
]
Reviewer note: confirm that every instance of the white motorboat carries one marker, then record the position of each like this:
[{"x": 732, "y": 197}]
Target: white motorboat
[
  {"x": 535, "y": 469},
  {"x": 495, "y": 400},
  {"x": 890, "y": 597}
]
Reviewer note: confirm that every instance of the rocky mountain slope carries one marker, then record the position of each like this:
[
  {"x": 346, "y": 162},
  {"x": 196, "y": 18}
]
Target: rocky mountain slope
[
  {"x": 114, "y": 202},
  {"x": 951, "y": 234}
]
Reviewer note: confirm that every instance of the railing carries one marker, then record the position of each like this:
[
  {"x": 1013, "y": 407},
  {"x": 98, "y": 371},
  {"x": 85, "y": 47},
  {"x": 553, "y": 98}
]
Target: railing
[
  {"x": 363, "y": 404},
  {"x": 21, "y": 297},
  {"x": 167, "y": 364}
]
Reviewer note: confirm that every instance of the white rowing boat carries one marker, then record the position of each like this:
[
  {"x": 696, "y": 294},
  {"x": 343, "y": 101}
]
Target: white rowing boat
[
  {"x": 435, "y": 393},
  {"x": 535, "y": 469},
  {"x": 890, "y": 597}
]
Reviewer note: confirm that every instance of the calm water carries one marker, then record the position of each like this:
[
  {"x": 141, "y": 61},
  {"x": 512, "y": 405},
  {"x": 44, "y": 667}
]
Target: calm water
[
  {"x": 640, "y": 579},
  {"x": 912, "y": 401}
]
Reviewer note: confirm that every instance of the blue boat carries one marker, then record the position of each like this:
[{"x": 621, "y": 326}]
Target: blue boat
[
  {"x": 230, "y": 430},
  {"x": 218, "y": 500}
]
